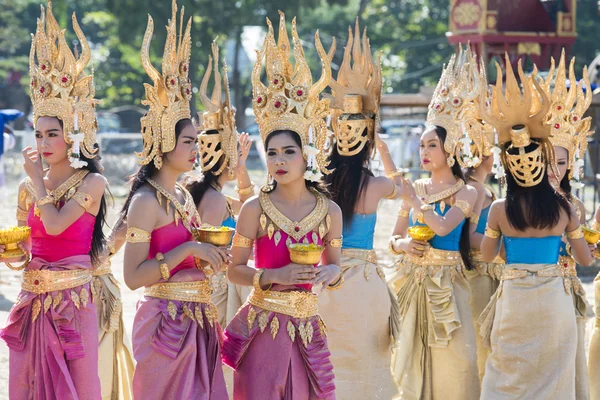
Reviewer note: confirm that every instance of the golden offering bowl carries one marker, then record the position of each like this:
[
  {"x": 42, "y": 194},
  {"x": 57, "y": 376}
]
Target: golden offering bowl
[
  {"x": 422, "y": 232},
  {"x": 591, "y": 236},
  {"x": 215, "y": 235},
  {"x": 10, "y": 238},
  {"x": 305, "y": 254}
]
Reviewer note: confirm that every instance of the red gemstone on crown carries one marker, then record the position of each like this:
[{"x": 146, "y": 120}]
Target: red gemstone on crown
[
  {"x": 42, "y": 89},
  {"x": 187, "y": 91},
  {"x": 185, "y": 68},
  {"x": 36, "y": 282},
  {"x": 299, "y": 92},
  {"x": 575, "y": 118},
  {"x": 43, "y": 67},
  {"x": 277, "y": 104},
  {"x": 259, "y": 100},
  {"x": 64, "y": 79},
  {"x": 276, "y": 81},
  {"x": 172, "y": 81},
  {"x": 557, "y": 126}
]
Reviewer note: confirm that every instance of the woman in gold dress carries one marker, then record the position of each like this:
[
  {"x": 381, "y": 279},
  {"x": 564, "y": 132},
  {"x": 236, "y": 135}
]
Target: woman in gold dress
[
  {"x": 529, "y": 323},
  {"x": 435, "y": 357}
]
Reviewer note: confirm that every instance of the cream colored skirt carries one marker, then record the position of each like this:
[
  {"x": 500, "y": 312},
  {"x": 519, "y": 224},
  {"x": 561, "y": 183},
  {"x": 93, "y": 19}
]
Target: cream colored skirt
[
  {"x": 115, "y": 363},
  {"x": 532, "y": 330},
  {"x": 594, "y": 360},
  {"x": 358, "y": 329},
  {"x": 436, "y": 355}
]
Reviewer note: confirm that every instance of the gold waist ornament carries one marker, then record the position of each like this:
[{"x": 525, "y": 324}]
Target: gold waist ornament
[
  {"x": 102, "y": 270},
  {"x": 477, "y": 257},
  {"x": 296, "y": 304},
  {"x": 197, "y": 291},
  {"x": 436, "y": 257},
  {"x": 45, "y": 281},
  {"x": 366, "y": 255}
]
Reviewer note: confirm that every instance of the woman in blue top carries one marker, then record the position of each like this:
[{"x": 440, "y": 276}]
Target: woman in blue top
[
  {"x": 358, "y": 315},
  {"x": 530, "y": 323},
  {"x": 436, "y": 353},
  {"x": 220, "y": 163}
]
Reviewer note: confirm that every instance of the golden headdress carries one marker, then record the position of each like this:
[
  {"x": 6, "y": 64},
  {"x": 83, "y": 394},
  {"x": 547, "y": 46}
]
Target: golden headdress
[
  {"x": 291, "y": 100},
  {"x": 519, "y": 118},
  {"x": 453, "y": 107},
  {"x": 169, "y": 98},
  {"x": 356, "y": 91},
  {"x": 568, "y": 127},
  {"x": 219, "y": 116},
  {"x": 58, "y": 87}
]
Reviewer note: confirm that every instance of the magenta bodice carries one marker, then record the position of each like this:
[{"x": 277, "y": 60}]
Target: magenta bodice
[{"x": 166, "y": 238}]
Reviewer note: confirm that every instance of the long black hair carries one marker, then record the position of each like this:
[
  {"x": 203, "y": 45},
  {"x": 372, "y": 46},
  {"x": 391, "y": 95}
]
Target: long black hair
[
  {"x": 349, "y": 179},
  {"x": 138, "y": 179},
  {"x": 198, "y": 186},
  {"x": 536, "y": 207},
  {"x": 98, "y": 237},
  {"x": 464, "y": 245},
  {"x": 565, "y": 186},
  {"x": 318, "y": 186}
]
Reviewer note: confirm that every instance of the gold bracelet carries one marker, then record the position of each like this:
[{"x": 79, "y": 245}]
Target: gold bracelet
[
  {"x": 337, "y": 285},
  {"x": 240, "y": 240},
  {"x": 163, "y": 266},
  {"x": 256, "y": 280},
  {"x": 391, "y": 245},
  {"x": 335, "y": 243},
  {"x": 576, "y": 233},
  {"x": 492, "y": 233},
  {"x": 137, "y": 235},
  {"x": 45, "y": 200},
  {"x": 246, "y": 190},
  {"x": 394, "y": 174},
  {"x": 22, "y": 266},
  {"x": 392, "y": 195}
]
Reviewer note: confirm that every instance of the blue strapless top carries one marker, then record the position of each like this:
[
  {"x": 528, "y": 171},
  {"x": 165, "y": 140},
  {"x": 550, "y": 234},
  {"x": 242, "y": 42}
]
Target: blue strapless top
[
  {"x": 359, "y": 234},
  {"x": 450, "y": 242},
  {"x": 563, "y": 249},
  {"x": 483, "y": 220},
  {"x": 544, "y": 250},
  {"x": 230, "y": 222}
]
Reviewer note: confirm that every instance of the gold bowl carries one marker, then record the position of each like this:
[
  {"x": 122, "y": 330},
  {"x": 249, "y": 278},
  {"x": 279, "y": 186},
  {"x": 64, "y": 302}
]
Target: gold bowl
[
  {"x": 591, "y": 236},
  {"x": 215, "y": 235},
  {"x": 422, "y": 232},
  {"x": 10, "y": 238},
  {"x": 305, "y": 254}
]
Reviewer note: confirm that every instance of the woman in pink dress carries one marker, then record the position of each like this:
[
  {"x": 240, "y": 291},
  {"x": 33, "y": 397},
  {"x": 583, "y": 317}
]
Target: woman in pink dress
[
  {"x": 176, "y": 335},
  {"x": 52, "y": 330},
  {"x": 276, "y": 343}
]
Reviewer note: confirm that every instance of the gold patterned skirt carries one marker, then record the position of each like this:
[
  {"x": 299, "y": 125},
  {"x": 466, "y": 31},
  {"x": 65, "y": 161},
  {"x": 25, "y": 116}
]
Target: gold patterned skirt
[
  {"x": 484, "y": 280},
  {"x": 115, "y": 361},
  {"x": 435, "y": 356},
  {"x": 358, "y": 318},
  {"x": 530, "y": 326}
]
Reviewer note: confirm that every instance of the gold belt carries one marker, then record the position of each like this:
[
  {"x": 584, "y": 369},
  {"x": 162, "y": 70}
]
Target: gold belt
[
  {"x": 476, "y": 256},
  {"x": 366, "y": 255},
  {"x": 436, "y": 257},
  {"x": 567, "y": 264},
  {"x": 102, "y": 270},
  {"x": 45, "y": 281},
  {"x": 197, "y": 291},
  {"x": 295, "y": 304},
  {"x": 515, "y": 273}
]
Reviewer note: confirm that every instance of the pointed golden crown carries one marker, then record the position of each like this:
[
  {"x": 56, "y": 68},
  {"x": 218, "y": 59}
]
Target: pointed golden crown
[
  {"x": 567, "y": 106},
  {"x": 169, "y": 98},
  {"x": 356, "y": 91},
  {"x": 291, "y": 100},
  {"x": 453, "y": 103},
  {"x": 58, "y": 87},
  {"x": 219, "y": 116}
]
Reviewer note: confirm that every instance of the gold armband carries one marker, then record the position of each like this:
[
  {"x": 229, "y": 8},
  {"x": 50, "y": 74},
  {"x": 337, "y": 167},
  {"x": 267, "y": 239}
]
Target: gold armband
[
  {"x": 83, "y": 199},
  {"x": 22, "y": 214},
  {"x": 392, "y": 195},
  {"x": 474, "y": 219},
  {"x": 492, "y": 233},
  {"x": 240, "y": 240},
  {"x": 463, "y": 206},
  {"x": 137, "y": 235},
  {"x": 337, "y": 285},
  {"x": 163, "y": 266},
  {"x": 576, "y": 233},
  {"x": 335, "y": 243},
  {"x": 394, "y": 174},
  {"x": 403, "y": 213},
  {"x": 246, "y": 190},
  {"x": 45, "y": 200}
]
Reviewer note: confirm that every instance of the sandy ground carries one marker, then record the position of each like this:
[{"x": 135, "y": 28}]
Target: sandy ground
[{"x": 10, "y": 280}]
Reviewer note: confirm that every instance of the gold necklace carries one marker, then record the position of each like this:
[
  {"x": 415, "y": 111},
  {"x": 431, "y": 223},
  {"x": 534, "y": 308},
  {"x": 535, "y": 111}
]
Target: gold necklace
[{"x": 187, "y": 212}]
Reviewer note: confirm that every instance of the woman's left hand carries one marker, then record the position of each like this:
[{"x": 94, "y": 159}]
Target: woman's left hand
[
  {"x": 327, "y": 274},
  {"x": 32, "y": 163}
]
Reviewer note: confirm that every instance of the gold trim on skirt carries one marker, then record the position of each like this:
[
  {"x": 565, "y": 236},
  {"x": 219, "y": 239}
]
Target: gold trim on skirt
[{"x": 296, "y": 304}]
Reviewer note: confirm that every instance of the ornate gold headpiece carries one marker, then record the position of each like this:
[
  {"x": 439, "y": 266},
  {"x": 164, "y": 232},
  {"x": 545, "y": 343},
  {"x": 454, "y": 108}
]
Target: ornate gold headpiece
[
  {"x": 453, "y": 107},
  {"x": 568, "y": 127},
  {"x": 219, "y": 116},
  {"x": 169, "y": 98},
  {"x": 291, "y": 100},
  {"x": 519, "y": 117},
  {"x": 357, "y": 92},
  {"x": 58, "y": 87}
]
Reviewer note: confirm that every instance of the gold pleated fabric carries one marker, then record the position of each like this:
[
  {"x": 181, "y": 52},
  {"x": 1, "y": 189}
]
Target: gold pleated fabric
[
  {"x": 436, "y": 354},
  {"x": 594, "y": 360},
  {"x": 115, "y": 363},
  {"x": 484, "y": 280},
  {"x": 358, "y": 318},
  {"x": 532, "y": 330},
  {"x": 220, "y": 287}
]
